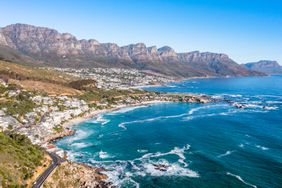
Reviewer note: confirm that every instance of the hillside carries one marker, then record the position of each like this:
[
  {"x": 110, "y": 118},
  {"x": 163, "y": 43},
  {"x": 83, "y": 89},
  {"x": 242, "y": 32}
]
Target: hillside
[
  {"x": 265, "y": 66},
  {"x": 37, "y": 79},
  {"x": 46, "y": 46},
  {"x": 19, "y": 160}
]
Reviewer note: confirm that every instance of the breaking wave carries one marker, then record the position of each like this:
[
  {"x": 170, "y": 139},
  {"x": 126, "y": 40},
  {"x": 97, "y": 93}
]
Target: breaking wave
[
  {"x": 262, "y": 147},
  {"x": 226, "y": 153},
  {"x": 123, "y": 124},
  {"x": 126, "y": 109},
  {"x": 152, "y": 164},
  {"x": 240, "y": 179},
  {"x": 81, "y": 145}
]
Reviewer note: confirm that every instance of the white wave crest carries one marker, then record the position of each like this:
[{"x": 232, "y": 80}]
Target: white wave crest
[
  {"x": 79, "y": 135},
  {"x": 123, "y": 124},
  {"x": 225, "y": 154},
  {"x": 81, "y": 145},
  {"x": 193, "y": 110},
  {"x": 262, "y": 147},
  {"x": 170, "y": 170},
  {"x": 101, "y": 119},
  {"x": 127, "y": 109},
  {"x": 104, "y": 155},
  {"x": 142, "y": 151},
  {"x": 240, "y": 179}
]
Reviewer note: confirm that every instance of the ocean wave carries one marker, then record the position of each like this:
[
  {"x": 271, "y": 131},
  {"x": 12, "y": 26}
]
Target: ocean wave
[
  {"x": 226, "y": 153},
  {"x": 170, "y": 169},
  {"x": 193, "y": 110},
  {"x": 126, "y": 109},
  {"x": 262, "y": 147},
  {"x": 142, "y": 151},
  {"x": 188, "y": 118},
  {"x": 233, "y": 95},
  {"x": 240, "y": 179},
  {"x": 100, "y": 136},
  {"x": 270, "y": 96},
  {"x": 123, "y": 124},
  {"x": 122, "y": 172},
  {"x": 101, "y": 119},
  {"x": 79, "y": 135},
  {"x": 81, "y": 145},
  {"x": 241, "y": 145},
  {"x": 104, "y": 155},
  {"x": 271, "y": 107},
  {"x": 274, "y": 102}
]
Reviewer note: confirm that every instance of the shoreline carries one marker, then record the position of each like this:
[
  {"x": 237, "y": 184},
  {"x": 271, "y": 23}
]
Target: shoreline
[
  {"x": 68, "y": 129},
  {"x": 69, "y": 124}
]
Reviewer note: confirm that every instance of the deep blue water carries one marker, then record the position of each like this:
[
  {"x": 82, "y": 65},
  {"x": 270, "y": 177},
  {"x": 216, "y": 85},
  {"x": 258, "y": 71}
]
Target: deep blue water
[{"x": 190, "y": 145}]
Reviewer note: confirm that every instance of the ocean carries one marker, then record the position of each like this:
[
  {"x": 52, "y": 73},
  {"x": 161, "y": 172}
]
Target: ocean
[{"x": 234, "y": 144}]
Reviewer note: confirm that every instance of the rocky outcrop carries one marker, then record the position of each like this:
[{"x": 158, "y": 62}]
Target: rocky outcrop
[
  {"x": 265, "y": 66},
  {"x": 63, "y": 49},
  {"x": 75, "y": 175}
]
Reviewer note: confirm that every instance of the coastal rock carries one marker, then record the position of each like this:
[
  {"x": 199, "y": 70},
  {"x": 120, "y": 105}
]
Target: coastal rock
[{"x": 73, "y": 175}]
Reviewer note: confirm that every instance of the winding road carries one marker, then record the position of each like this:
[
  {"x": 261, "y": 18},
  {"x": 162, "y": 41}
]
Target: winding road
[{"x": 56, "y": 160}]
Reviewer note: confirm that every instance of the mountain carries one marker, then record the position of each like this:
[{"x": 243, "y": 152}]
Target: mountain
[
  {"x": 265, "y": 66},
  {"x": 49, "y": 47}
]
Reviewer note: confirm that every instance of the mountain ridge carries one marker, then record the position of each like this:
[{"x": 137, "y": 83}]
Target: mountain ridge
[
  {"x": 65, "y": 50},
  {"x": 265, "y": 66}
]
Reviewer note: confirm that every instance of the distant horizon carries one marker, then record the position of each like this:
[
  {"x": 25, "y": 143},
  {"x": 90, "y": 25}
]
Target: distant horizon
[{"x": 245, "y": 31}]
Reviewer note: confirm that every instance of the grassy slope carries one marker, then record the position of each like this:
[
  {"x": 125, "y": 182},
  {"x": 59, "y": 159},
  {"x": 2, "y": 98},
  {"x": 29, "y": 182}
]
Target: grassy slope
[
  {"x": 19, "y": 159},
  {"x": 38, "y": 79}
]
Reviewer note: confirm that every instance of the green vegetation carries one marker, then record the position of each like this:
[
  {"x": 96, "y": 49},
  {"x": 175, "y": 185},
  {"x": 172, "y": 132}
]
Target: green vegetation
[
  {"x": 20, "y": 72},
  {"x": 20, "y": 104},
  {"x": 108, "y": 95},
  {"x": 19, "y": 158},
  {"x": 58, "y": 129}
]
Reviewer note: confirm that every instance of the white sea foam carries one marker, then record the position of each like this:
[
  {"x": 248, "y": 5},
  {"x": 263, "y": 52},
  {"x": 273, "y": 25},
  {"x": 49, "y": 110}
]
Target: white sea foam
[
  {"x": 100, "y": 136},
  {"x": 193, "y": 110},
  {"x": 240, "y": 179},
  {"x": 123, "y": 124},
  {"x": 176, "y": 151},
  {"x": 274, "y": 102},
  {"x": 234, "y": 95},
  {"x": 226, "y": 153},
  {"x": 188, "y": 118},
  {"x": 142, "y": 151},
  {"x": 262, "y": 147},
  {"x": 102, "y": 120},
  {"x": 271, "y": 107},
  {"x": 104, "y": 155},
  {"x": 241, "y": 145},
  {"x": 81, "y": 145},
  {"x": 121, "y": 173},
  {"x": 127, "y": 109},
  {"x": 79, "y": 135},
  {"x": 171, "y": 170},
  {"x": 217, "y": 97}
]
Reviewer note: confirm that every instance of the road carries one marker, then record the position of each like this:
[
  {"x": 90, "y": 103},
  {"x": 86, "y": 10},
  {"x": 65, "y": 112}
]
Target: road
[{"x": 56, "y": 160}]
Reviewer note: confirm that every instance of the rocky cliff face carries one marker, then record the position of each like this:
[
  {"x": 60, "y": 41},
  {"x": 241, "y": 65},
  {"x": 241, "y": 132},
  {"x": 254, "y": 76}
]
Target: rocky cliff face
[
  {"x": 63, "y": 49},
  {"x": 265, "y": 66}
]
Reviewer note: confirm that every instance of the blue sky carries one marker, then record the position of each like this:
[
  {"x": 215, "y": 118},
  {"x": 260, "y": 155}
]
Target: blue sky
[{"x": 246, "y": 30}]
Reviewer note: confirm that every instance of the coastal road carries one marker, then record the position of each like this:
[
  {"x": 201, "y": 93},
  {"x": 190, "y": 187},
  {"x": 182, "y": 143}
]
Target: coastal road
[{"x": 56, "y": 160}]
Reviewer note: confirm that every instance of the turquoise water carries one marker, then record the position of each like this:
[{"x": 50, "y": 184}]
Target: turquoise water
[{"x": 190, "y": 145}]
